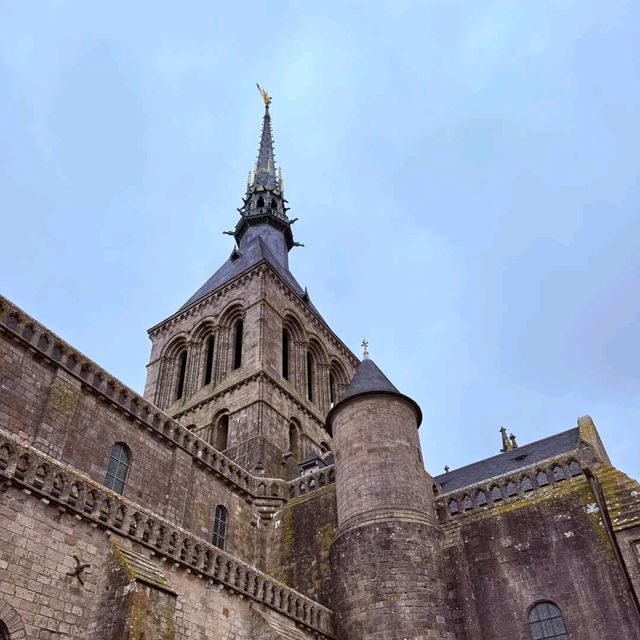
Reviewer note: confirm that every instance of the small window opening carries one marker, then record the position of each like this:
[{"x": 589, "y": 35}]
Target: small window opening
[
  {"x": 310, "y": 376},
  {"x": 467, "y": 504},
  {"x": 481, "y": 499},
  {"x": 220, "y": 527},
  {"x": 512, "y": 490},
  {"x": 118, "y": 468},
  {"x": 496, "y": 494},
  {"x": 222, "y": 433},
  {"x": 237, "y": 351},
  {"x": 273, "y": 204},
  {"x": 182, "y": 373},
  {"x": 260, "y": 202},
  {"x": 208, "y": 368},
  {"x": 542, "y": 479},
  {"x": 526, "y": 484},
  {"x": 285, "y": 354},
  {"x": 574, "y": 468},
  {"x": 547, "y": 623},
  {"x": 294, "y": 440},
  {"x": 453, "y": 507},
  {"x": 332, "y": 388},
  {"x": 558, "y": 474}
]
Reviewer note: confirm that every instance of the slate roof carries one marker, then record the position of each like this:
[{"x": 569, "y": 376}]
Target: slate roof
[
  {"x": 368, "y": 378},
  {"x": 254, "y": 252},
  {"x": 510, "y": 461}
]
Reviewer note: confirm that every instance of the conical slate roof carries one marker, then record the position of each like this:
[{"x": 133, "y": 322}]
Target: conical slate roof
[{"x": 369, "y": 379}]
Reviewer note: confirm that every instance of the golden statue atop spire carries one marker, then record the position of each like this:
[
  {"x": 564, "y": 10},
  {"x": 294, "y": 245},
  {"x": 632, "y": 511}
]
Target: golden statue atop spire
[{"x": 265, "y": 96}]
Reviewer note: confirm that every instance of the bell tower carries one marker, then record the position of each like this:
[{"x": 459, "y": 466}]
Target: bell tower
[{"x": 248, "y": 363}]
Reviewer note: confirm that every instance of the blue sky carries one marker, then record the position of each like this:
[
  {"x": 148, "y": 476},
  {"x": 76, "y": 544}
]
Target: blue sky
[{"x": 466, "y": 177}]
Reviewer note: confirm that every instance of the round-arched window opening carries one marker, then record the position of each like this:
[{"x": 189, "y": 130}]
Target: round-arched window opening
[
  {"x": 118, "y": 469},
  {"x": 547, "y": 623}
]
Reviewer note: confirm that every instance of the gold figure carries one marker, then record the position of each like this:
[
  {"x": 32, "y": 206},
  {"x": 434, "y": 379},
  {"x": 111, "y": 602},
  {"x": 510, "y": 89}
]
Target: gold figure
[{"x": 265, "y": 96}]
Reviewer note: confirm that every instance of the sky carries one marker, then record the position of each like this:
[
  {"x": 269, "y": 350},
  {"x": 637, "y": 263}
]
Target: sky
[{"x": 465, "y": 175}]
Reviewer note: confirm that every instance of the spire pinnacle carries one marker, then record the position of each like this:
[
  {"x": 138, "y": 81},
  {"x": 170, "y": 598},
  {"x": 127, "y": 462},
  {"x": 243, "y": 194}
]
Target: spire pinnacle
[{"x": 265, "y": 173}]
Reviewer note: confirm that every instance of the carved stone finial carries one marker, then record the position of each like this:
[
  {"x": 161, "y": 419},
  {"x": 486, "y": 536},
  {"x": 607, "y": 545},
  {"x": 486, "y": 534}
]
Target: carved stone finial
[
  {"x": 365, "y": 348},
  {"x": 506, "y": 443},
  {"x": 446, "y": 468},
  {"x": 514, "y": 444}
]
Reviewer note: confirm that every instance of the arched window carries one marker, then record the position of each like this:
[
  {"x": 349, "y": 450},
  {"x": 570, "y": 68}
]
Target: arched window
[
  {"x": 222, "y": 433},
  {"x": 208, "y": 366},
  {"x": 220, "y": 527},
  {"x": 118, "y": 468},
  {"x": 273, "y": 204},
  {"x": 182, "y": 373},
  {"x": 294, "y": 439},
  {"x": 496, "y": 494},
  {"x": 558, "y": 474},
  {"x": 481, "y": 498},
  {"x": 333, "y": 391},
  {"x": 546, "y": 622},
  {"x": 4, "y": 632},
  {"x": 526, "y": 484},
  {"x": 285, "y": 354},
  {"x": 310, "y": 375},
  {"x": 574, "y": 468},
  {"x": 260, "y": 201},
  {"x": 237, "y": 344},
  {"x": 542, "y": 479}
]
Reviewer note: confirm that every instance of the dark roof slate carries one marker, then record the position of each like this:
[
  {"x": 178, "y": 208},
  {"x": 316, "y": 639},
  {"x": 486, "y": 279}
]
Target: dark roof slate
[
  {"x": 510, "y": 461},
  {"x": 256, "y": 251},
  {"x": 368, "y": 378}
]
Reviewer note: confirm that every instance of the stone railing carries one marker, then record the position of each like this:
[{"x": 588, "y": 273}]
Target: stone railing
[
  {"x": 146, "y": 415},
  {"x": 505, "y": 489},
  {"x": 54, "y": 482},
  {"x": 306, "y": 484}
]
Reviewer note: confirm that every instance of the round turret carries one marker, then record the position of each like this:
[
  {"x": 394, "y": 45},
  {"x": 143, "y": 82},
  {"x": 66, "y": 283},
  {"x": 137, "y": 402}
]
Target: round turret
[{"x": 386, "y": 556}]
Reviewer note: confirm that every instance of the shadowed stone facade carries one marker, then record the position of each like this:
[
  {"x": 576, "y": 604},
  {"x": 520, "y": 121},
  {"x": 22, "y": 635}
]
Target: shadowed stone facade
[{"x": 269, "y": 485}]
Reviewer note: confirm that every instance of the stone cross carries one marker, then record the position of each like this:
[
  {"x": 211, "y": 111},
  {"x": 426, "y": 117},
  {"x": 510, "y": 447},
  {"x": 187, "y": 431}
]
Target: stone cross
[{"x": 365, "y": 347}]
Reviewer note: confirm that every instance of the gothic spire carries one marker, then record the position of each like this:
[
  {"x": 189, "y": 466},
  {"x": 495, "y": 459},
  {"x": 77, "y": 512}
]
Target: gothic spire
[
  {"x": 265, "y": 173},
  {"x": 264, "y": 210}
]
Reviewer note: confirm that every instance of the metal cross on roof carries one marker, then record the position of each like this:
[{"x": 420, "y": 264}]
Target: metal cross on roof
[{"x": 365, "y": 348}]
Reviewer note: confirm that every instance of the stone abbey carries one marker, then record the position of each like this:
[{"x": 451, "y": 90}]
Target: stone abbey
[{"x": 270, "y": 485}]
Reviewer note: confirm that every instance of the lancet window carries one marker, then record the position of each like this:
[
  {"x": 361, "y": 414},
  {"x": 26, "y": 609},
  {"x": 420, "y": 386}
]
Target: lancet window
[
  {"x": 117, "y": 469},
  {"x": 208, "y": 364},
  {"x": 219, "y": 537}
]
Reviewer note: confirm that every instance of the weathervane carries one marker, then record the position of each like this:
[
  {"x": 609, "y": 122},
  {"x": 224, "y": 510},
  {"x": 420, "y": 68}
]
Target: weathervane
[
  {"x": 265, "y": 96},
  {"x": 365, "y": 347}
]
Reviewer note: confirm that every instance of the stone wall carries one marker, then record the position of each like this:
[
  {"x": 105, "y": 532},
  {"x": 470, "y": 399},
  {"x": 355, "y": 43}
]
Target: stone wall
[
  {"x": 61, "y": 415},
  {"x": 551, "y": 545},
  {"x": 300, "y": 543}
]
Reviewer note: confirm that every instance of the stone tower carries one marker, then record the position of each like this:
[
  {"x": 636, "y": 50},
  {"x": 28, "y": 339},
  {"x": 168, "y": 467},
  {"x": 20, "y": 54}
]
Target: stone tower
[
  {"x": 386, "y": 557},
  {"x": 247, "y": 362}
]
